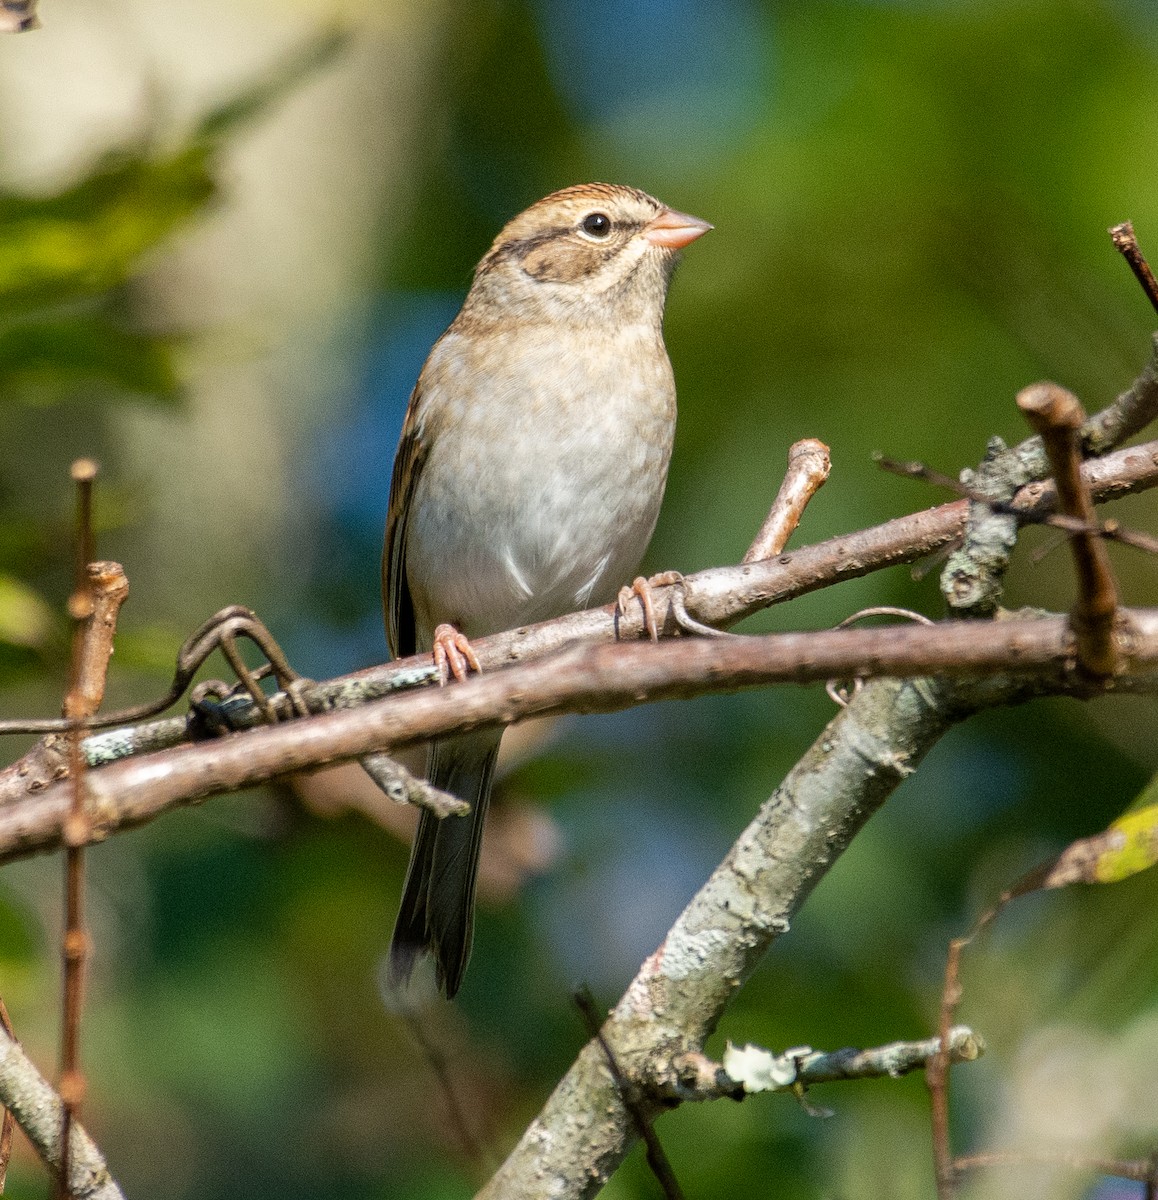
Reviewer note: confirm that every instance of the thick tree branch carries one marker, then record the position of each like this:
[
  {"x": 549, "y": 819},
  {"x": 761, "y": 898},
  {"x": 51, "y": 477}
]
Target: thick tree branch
[
  {"x": 39, "y": 1112},
  {"x": 1030, "y": 657},
  {"x": 673, "y": 1004},
  {"x": 719, "y": 596}
]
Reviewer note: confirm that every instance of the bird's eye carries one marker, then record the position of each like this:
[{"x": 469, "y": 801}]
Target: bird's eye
[{"x": 596, "y": 225}]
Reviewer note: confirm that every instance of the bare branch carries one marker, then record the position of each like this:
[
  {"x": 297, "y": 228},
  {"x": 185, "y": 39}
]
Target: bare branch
[
  {"x": 1142, "y": 1170},
  {"x": 1057, "y": 416},
  {"x": 1133, "y": 410},
  {"x": 99, "y": 591},
  {"x": 96, "y": 605},
  {"x": 39, "y": 1112},
  {"x": 674, "y": 1002},
  {"x": 756, "y": 1070},
  {"x": 405, "y": 788},
  {"x": 1126, "y": 243},
  {"x": 808, "y": 467},
  {"x": 893, "y": 1060},
  {"x": 1033, "y": 657},
  {"x": 720, "y": 596}
]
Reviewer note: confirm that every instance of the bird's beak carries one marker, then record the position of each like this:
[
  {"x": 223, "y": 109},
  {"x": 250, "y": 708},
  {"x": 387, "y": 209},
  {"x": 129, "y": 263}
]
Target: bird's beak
[{"x": 674, "y": 229}]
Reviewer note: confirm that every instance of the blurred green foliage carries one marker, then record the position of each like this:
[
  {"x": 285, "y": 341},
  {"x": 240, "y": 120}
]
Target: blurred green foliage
[
  {"x": 69, "y": 330},
  {"x": 910, "y": 202}
]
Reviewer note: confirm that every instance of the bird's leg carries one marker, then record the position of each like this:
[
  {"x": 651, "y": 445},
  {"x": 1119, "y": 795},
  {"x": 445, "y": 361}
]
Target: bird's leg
[
  {"x": 642, "y": 588},
  {"x": 453, "y": 654}
]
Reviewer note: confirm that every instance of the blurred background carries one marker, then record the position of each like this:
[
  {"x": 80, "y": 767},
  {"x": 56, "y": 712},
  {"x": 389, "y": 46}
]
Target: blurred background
[{"x": 227, "y": 241}]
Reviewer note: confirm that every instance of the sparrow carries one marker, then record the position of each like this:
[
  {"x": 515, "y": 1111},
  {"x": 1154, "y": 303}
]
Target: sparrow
[{"x": 526, "y": 484}]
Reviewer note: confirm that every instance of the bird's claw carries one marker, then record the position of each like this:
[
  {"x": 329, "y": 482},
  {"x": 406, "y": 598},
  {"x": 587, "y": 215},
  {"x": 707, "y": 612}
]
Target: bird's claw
[
  {"x": 453, "y": 654},
  {"x": 642, "y": 588}
]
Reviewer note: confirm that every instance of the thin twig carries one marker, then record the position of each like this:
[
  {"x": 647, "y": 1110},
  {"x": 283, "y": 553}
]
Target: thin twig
[
  {"x": 1141, "y": 1170},
  {"x": 1057, "y": 416},
  {"x": 699, "y": 1078},
  {"x": 808, "y": 466},
  {"x": 221, "y": 629},
  {"x": 403, "y": 787},
  {"x": 1126, "y": 243},
  {"x": 629, "y": 1093},
  {"x": 100, "y": 590},
  {"x": 937, "y": 1078},
  {"x": 437, "y": 1061},
  {"x": 837, "y": 689},
  {"x": 1109, "y": 529},
  {"x": 9, "y": 1119}
]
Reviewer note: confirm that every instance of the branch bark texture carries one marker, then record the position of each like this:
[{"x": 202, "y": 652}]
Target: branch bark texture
[
  {"x": 38, "y": 1111},
  {"x": 719, "y": 596},
  {"x": 673, "y": 1004},
  {"x": 1035, "y": 654}
]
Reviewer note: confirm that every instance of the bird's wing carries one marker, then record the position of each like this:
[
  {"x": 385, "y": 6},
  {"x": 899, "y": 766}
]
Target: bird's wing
[{"x": 408, "y": 461}]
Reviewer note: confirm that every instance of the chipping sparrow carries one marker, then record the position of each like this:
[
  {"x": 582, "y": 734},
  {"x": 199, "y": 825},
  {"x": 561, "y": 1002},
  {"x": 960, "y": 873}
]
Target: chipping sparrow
[{"x": 526, "y": 484}]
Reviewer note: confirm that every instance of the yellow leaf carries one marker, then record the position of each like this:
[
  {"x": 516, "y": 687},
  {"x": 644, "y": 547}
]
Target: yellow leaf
[
  {"x": 1137, "y": 846},
  {"x": 25, "y": 619}
]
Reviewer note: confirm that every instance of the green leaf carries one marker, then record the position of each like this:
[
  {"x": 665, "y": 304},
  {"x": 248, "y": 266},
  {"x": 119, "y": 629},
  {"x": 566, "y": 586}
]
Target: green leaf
[
  {"x": 89, "y": 238},
  {"x": 82, "y": 349}
]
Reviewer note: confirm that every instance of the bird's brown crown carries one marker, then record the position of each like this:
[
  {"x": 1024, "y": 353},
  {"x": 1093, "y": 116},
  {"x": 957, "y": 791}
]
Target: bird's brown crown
[{"x": 572, "y": 234}]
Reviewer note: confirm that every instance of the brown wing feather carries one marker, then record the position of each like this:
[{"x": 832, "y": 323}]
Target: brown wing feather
[{"x": 401, "y": 635}]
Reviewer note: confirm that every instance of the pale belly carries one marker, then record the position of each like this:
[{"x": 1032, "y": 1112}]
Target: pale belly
[{"x": 555, "y": 516}]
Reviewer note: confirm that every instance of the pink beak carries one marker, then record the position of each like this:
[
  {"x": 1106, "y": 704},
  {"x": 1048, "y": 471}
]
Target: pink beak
[{"x": 674, "y": 229}]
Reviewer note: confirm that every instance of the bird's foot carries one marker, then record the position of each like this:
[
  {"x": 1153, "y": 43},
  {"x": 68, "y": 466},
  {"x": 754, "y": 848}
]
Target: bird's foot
[
  {"x": 642, "y": 588},
  {"x": 453, "y": 654}
]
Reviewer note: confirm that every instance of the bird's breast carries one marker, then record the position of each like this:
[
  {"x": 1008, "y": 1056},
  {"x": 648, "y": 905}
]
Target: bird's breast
[{"x": 543, "y": 478}]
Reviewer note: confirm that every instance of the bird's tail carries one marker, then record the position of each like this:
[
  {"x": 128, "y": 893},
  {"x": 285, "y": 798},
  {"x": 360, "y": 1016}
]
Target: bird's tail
[{"x": 437, "y": 912}]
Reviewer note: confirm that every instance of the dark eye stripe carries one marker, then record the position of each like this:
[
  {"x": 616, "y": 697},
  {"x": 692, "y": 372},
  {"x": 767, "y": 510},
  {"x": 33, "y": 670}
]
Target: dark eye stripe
[{"x": 519, "y": 249}]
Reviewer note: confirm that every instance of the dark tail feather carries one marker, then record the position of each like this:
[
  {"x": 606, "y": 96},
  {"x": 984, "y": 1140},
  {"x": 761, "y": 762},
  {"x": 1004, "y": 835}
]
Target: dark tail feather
[{"x": 437, "y": 912}]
